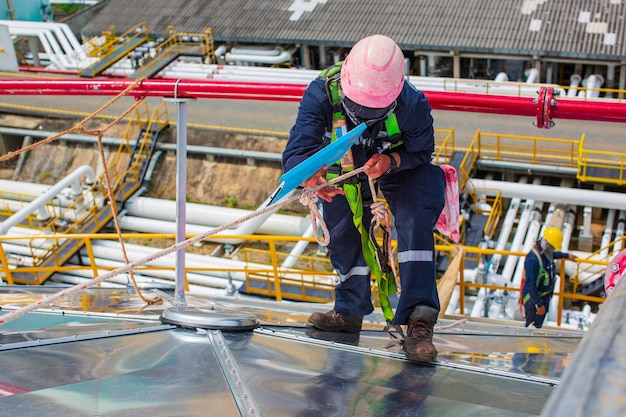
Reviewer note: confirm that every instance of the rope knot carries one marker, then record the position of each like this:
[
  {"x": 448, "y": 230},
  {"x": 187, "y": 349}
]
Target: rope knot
[{"x": 308, "y": 197}]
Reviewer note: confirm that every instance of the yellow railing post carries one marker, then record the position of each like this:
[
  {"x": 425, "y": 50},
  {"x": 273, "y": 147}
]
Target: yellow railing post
[
  {"x": 5, "y": 266},
  {"x": 92, "y": 258},
  {"x": 274, "y": 260}
]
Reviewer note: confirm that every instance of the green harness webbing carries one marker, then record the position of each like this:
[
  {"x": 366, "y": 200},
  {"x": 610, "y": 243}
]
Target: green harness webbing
[
  {"x": 543, "y": 274},
  {"x": 385, "y": 280}
]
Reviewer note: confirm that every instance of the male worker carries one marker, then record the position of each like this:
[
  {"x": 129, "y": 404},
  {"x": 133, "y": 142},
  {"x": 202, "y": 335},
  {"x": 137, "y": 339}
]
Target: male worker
[
  {"x": 539, "y": 279},
  {"x": 397, "y": 146}
]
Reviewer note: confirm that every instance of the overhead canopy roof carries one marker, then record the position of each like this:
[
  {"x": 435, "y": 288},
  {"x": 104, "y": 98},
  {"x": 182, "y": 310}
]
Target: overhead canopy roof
[{"x": 581, "y": 29}]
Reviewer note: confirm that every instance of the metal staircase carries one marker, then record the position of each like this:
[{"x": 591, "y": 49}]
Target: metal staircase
[
  {"x": 116, "y": 49},
  {"x": 177, "y": 45}
]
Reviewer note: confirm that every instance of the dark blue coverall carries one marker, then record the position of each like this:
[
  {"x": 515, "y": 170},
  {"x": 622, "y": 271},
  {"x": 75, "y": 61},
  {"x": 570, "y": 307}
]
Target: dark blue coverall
[
  {"x": 415, "y": 194},
  {"x": 538, "y": 292}
]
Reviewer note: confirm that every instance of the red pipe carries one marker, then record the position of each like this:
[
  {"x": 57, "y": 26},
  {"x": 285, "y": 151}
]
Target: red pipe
[
  {"x": 153, "y": 88},
  {"x": 544, "y": 108},
  {"x": 481, "y": 103}
]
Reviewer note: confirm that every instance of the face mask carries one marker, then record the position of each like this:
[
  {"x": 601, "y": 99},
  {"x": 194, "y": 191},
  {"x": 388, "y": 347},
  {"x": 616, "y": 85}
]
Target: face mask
[
  {"x": 546, "y": 248},
  {"x": 360, "y": 114}
]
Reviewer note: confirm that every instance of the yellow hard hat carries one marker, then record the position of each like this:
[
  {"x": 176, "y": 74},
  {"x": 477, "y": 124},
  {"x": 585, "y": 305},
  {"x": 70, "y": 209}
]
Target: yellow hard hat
[{"x": 554, "y": 237}]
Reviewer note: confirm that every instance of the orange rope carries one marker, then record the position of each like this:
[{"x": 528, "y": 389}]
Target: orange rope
[
  {"x": 117, "y": 224},
  {"x": 79, "y": 128}
]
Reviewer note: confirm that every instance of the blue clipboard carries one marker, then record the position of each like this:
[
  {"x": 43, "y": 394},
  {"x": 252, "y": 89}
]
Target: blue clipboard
[{"x": 330, "y": 154}]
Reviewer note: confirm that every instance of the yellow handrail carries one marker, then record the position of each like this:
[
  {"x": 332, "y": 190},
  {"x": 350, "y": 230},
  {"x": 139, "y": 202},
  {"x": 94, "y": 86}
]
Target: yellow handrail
[{"x": 311, "y": 282}]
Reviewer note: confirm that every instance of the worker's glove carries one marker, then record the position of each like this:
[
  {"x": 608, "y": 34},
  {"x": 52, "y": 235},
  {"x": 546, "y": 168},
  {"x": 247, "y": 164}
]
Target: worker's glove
[
  {"x": 541, "y": 310},
  {"x": 325, "y": 193},
  {"x": 378, "y": 165}
]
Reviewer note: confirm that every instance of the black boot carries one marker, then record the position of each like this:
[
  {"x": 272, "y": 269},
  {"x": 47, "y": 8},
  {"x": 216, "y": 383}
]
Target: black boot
[
  {"x": 418, "y": 344},
  {"x": 335, "y": 322}
]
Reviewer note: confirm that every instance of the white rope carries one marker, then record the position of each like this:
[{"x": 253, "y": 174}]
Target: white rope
[
  {"x": 180, "y": 245},
  {"x": 309, "y": 198}
]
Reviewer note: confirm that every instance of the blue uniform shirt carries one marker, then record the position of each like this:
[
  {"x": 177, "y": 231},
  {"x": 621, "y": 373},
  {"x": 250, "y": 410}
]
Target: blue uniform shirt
[{"x": 546, "y": 287}]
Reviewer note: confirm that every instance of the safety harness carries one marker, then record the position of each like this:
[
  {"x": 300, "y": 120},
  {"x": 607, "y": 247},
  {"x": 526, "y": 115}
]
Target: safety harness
[
  {"x": 378, "y": 258},
  {"x": 542, "y": 275}
]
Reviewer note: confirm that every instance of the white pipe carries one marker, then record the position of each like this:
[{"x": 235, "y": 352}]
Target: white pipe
[
  {"x": 284, "y": 56},
  {"x": 577, "y": 196},
  {"x": 55, "y": 34},
  {"x": 249, "y": 227},
  {"x": 256, "y": 51},
  {"x": 148, "y": 225},
  {"x": 298, "y": 249},
  {"x": 619, "y": 231},
  {"x": 50, "y": 41},
  {"x": 591, "y": 272},
  {"x": 60, "y": 37},
  {"x": 502, "y": 77},
  {"x": 454, "y": 301},
  {"x": 45, "y": 242},
  {"x": 197, "y": 290},
  {"x": 70, "y": 180},
  {"x": 592, "y": 84},
  {"x": 213, "y": 216},
  {"x": 607, "y": 235},
  {"x": 505, "y": 231},
  {"x": 519, "y": 237},
  {"x": 221, "y": 50},
  {"x": 469, "y": 275},
  {"x": 199, "y": 278},
  {"x": 568, "y": 226},
  {"x": 304, "y": 77},
  {"x": 273, "y": 73},
  {"x": 252, "y": 79},
  {"x": 28, "y": 191},
  {"x": 574, "y": 82},
  {"x": 109, "y": 251},
  {"x": 140, "y": 210},
  {"x": 594, "y": 272},
  {"x": 494, "y": 263},
  {"x": 531, "y": 75},
  {"x": 276, "y": 72},
  {"x": 51, "y": 49},
  {"x": 112, "y": 250},
  {"x": 54, "y": 207},
  {"x": 531, "y": 236}
]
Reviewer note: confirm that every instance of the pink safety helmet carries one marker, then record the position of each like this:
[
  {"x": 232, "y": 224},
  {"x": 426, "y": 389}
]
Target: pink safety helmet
[
  {"x": 373, "y": 72},
  {"x": 615, "y": 272}
]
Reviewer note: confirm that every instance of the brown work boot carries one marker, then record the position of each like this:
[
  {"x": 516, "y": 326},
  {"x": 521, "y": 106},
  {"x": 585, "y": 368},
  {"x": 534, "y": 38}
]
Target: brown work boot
[
  {"x": 335, "y": 322},
  {"x": 418, "y": 344}
]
